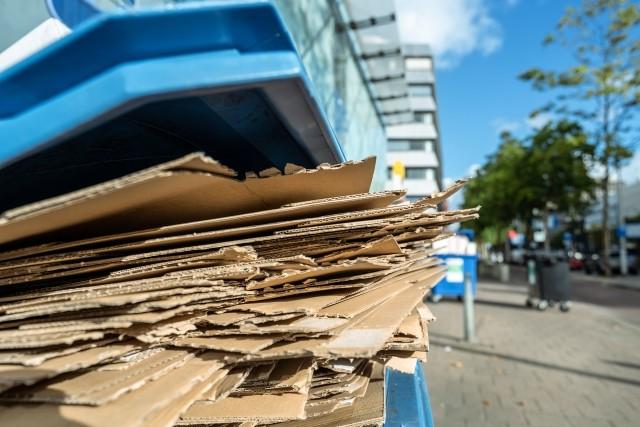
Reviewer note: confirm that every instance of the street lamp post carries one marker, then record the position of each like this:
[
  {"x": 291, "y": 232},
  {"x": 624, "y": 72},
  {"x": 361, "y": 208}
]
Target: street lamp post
[{"x": 621, "y": 229}]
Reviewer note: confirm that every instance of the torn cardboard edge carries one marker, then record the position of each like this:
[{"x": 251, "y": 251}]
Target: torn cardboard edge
[{"x": 143, "y": 198}]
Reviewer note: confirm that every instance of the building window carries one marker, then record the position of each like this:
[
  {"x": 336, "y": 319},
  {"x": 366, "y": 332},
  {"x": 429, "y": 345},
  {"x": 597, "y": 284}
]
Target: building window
[
  {"x": 416, "y": 173},
  {"x": 424, "y": 117},
  {"x": 428, "y": 146},
  {"x": 420, "y": 173},
  {"x": 419, "y": 64},
  {"x": 407, "y": 145},
  {"x": 420, "y": 90},
  {"x": 431, "y": 176}
]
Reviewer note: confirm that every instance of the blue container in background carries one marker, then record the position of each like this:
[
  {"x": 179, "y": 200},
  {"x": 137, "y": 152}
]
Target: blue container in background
[{"x": 452, "y": 285}]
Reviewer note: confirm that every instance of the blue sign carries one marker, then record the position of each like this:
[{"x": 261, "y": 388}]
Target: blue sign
[{"x": 621, "y": 231}]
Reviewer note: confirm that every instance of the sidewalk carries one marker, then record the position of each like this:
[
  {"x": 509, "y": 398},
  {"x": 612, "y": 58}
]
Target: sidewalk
[
  {"x": 532, "y": 368},
  {"x": 630, "y": 281}
]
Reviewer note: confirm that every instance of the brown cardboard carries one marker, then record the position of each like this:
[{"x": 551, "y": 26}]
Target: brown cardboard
[
  {"x": 99, "y": 386},
  {"x": 327, "y": 209},
  {"x": 225, "y": 319},
  {"x": 133, "y": 409},
  {"x": 344, "y": 394},
  {"x": 271, "y": 319},
  {"x": 364, "y": 334},
  {"x": 354, "y": 267},
  {"x": 308, "y": 304},
  {"x": 126, "y": 203},
  {"x": 369, "y": 335},
  {"x": 385, "y": 246},
  {"x": 366, "y": 411},
  {"x": 42, "y": 341},
  {"x": 39, "y": 356},
  {"x": 168, "y": 415},
  {"x": 222, "y": 388},
  {"x": 236, "y": 344},
  {"x": 286, "y": 376},
  {"x": 12, "y": 375},
  {"x": 334, "y": 282},
  {"x": 308, "y": 326},
  {"x": 369, "y": 297},
  {"x": 261, "y": 408}
]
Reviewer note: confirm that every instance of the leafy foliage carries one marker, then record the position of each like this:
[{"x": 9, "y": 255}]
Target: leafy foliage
[
  {"x": 550, "y": 166},
  {"x": 602, "y": 89}
]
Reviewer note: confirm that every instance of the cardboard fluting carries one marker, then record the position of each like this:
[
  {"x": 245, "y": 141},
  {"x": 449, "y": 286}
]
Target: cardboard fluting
[{"x": 184, "y": 295}]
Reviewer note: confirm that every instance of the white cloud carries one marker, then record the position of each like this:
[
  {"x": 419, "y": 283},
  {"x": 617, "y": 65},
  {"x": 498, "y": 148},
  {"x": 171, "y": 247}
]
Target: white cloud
[
  {"x": 473, "y": 169},
  {"x": 512, "y": 3},
  {"x": 453, "y": 28},
  {"x": 455, "y": 201},
  {"x": 631, "y": 172},
  {"x": 539, "y": 120},
  {"x": 501, "y": 124}
]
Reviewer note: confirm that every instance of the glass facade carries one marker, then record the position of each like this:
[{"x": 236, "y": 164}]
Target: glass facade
[{"x": 340, "y": 86}]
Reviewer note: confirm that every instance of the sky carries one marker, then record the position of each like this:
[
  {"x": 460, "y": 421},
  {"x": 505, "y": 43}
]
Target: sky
[{"x": 481, "y": 46}]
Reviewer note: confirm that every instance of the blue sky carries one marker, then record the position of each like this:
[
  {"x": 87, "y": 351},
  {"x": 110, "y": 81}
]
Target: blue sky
[{"x": 481, "y": 46}]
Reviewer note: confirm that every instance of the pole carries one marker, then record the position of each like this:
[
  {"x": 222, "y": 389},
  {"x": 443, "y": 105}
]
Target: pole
[
  {"x": 531, "y": 272},
  {"x": 622, "y": 238},
  {"x": 469, "y": 320}
]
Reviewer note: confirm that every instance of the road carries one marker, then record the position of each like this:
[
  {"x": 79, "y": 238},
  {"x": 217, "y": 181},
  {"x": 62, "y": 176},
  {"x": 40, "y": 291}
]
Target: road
[{"x": 624, "y": 303}]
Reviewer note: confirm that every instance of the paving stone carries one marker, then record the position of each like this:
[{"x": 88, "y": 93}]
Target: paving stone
[{"x": 530, "y": 368}]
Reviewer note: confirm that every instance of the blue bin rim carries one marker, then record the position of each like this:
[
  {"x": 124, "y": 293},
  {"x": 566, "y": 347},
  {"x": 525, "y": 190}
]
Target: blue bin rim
[{"x": 56, "y": 66}]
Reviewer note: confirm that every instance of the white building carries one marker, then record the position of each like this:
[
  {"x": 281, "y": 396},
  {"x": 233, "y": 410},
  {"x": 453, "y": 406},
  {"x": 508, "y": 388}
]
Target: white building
[{"x": 414, "y": 140}]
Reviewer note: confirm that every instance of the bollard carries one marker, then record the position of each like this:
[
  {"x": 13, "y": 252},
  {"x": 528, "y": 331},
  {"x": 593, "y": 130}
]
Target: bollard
[
  {"x": 531, "y": 272},
  {"x": 504, "y": 273},
  {"x": 469, "y": 319}
]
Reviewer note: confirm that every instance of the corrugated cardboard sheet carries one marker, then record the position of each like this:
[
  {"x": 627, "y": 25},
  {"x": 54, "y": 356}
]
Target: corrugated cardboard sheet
[{"x": 182, "y": 294}]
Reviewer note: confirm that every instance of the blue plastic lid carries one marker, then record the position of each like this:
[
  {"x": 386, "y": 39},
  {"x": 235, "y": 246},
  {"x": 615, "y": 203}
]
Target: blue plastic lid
[{"x": 128, "y": 90}]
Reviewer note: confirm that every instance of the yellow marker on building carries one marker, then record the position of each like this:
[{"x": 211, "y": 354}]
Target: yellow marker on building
[{"x": 398, "y": 169}]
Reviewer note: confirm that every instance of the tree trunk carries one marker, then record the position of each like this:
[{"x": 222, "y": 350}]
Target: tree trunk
[
  {"x": 528, "y": 233},
  {"x": 507, "y": 248},
  {"x": 606, "y": 236}
]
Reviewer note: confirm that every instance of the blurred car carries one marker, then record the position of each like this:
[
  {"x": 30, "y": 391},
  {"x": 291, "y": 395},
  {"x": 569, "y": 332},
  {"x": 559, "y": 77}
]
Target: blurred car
[
  {"x": 518, "y": 256},
  {"x": 591, "y": 264},
  {"x": 576, "y": 260},
  {"x": 632, "y": 261},
  {"x": 594, "y": 263}
]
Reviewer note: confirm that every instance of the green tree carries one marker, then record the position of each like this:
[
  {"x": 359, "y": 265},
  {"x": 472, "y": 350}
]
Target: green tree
[
  {"x": 555, "y": 172},
  {"x": 548, "y": 168},
  {"x": 495, "y": 188},
  {"x": 602, "y": 88}
]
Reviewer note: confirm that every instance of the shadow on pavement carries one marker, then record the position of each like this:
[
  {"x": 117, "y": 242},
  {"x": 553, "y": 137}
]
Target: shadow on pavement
[
  {"x": 623, "y": 364},
  {"x": 536, "y": 363},
  {"x": 520, "y": 290},
  {"x": 501, "y": 304},
  {"x": 444, "y": 336}
]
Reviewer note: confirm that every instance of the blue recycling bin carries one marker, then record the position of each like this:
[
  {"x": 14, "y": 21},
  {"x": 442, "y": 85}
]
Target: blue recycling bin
[
  {"x": 131, "y": 89},
  {"x": 452, "y": 285}
]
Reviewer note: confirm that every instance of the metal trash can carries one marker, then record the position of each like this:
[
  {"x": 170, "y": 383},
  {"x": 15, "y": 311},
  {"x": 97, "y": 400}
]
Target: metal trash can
[{"x": 549, "y": 281}]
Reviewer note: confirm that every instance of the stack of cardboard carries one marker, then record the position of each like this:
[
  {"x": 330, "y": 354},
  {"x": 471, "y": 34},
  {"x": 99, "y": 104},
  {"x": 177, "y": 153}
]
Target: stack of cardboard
[{"x": 184, "y": 295}]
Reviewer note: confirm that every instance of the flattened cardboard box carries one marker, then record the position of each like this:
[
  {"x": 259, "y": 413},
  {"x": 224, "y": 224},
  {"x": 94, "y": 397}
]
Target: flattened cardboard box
[
  {"x": 194, "y": 182},
  {"x": 344, "y": 274},
  {"x": 136, "y": 408}
]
